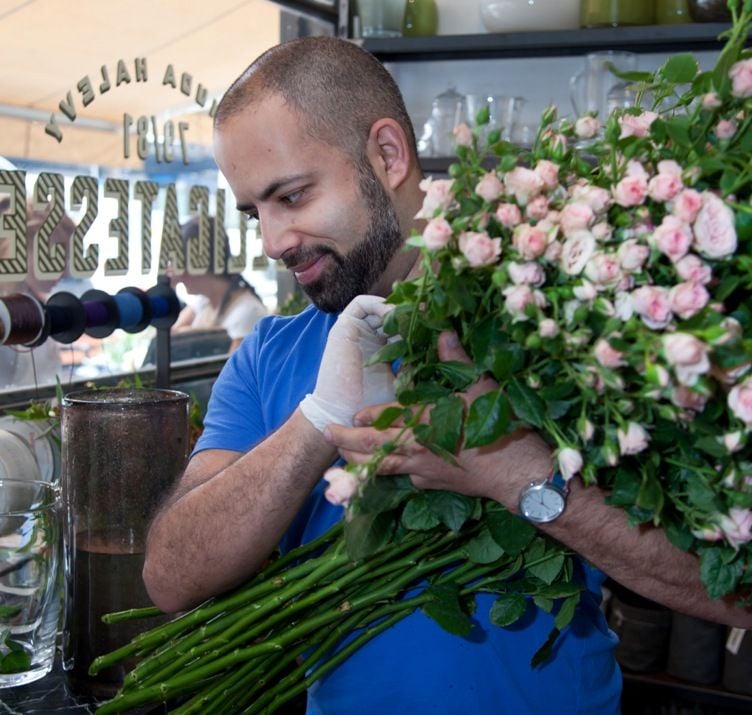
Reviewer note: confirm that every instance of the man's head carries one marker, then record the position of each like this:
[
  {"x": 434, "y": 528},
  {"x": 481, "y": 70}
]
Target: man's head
[{"x": 314, "y": 138}]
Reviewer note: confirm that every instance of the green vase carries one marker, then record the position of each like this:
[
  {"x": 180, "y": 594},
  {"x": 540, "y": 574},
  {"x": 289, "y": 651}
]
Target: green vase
[{"x": 421, "y": 18}]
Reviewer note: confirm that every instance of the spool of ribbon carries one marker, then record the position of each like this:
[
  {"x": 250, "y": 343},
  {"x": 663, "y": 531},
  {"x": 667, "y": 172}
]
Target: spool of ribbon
[
  {"x": 66, "y": 317},
  {"x": 22, "y": 320},
  {"x": 101, "y": 311},
  {"x": 164, "y": 304},
  {"x": 135, "y": 309}
]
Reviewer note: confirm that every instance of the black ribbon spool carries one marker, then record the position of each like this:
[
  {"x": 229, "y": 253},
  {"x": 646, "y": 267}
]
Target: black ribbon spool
[
  {"x": 146, "y": 311},
  {"x": 112, "y": 313},
  {"x": 66, "y": 319},
  {"x": 164, "y": 290}
]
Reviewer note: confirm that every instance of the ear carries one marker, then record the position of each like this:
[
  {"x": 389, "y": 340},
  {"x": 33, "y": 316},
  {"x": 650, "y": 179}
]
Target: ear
[{"x": 389, "y": 152}]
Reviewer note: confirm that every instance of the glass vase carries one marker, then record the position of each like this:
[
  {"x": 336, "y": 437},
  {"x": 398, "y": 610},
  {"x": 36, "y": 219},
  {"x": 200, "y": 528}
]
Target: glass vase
[{"x": 421, "y": 18}]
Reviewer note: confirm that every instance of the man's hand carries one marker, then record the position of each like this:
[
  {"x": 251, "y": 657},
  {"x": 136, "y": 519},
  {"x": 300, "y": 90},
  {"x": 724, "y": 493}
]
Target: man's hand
[{"x": 345, "y": 384}]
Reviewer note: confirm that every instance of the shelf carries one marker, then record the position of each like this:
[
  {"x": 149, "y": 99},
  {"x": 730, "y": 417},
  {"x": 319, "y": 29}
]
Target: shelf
[{"x": 692, "y": 37}]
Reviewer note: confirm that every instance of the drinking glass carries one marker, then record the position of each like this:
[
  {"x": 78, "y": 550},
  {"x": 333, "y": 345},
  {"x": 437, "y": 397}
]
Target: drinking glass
[
  {"x": 374, "y": 19},
  {"x": 30, "y": 590},
  {"x": 590, "y": 87}
]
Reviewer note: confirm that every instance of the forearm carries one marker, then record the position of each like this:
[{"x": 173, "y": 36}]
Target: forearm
[{"x": 221, "y": 524}]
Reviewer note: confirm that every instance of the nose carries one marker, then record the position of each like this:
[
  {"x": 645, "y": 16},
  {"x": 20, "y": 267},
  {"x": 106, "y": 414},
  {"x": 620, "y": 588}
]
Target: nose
[{"x": 278, "y": 235}]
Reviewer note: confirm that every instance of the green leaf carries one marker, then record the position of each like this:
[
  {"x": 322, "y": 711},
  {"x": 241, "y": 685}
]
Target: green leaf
[
  {"x": 9, "y": 611},
  {"x": 508, "y": 609},
  {"x": 389, "y": 416},
  {"x": 677, "y": 129},
  {"x": 366, "y": 533},
  {"x": 445, "y": 608},
  {"x": 526, "y": 404},
  {"x": 650, "y": 497},
  {"x": 385, "y": 492},
  {"x": 417, "y": 515},
  {"x": 483, "y": 549},
  {"x": 487, "y": 419},
  {"x": 719, "y": 576},
  {"x": 679, "y": 69},
  {"x": 452, "y": 509},
  {"x": 548, "y": 570},
  {"x": 459, "y": 374},
  {"x": 544, "y": 652},
  {"x": 446, "y": 422},
  {"x": 16, "y": 661},
  {"x": 701, "y": 494},
  {"x": 389, "y": 353},
  {"x": 680, "y": 538},
  {"x": 566, "y": 612},
  {"x": 544, "y": 603},
  {"x": 743, "y": 223},
  {"x": 510, "y": 532}
]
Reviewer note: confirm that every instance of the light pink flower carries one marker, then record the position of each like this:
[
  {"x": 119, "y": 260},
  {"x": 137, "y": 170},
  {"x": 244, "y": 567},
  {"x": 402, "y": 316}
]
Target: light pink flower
[
  {"x": 437, "y": 233},
  {"x": 740, "y": 401},
  {"x": 529, "y": 241},
  {"x": 526, "y": 273},
  {"x": 595, "y": 197},
  {"x": 741, "y": 78},
  {"x": 602, "y": 231},
  {"x": 438, "y": 196},
  {"x": 732, "y": 331},
  {"x": 523, "y": 183},
  {"x": 631, "y": 191},
  {"x": 553, "y": 252},
  {"x": 636, "y": 125},
  {"x": 635, "y": 168},
  {"x": 673, "y": 237},
  {"x": 633, "y": 440},
  {"x": 548, "y": 173},
  {"x": 623, "y": 305},
  {"x": 537, "y": 208},
  {"x": 479, "y": 248},
  {"x": 576, "y": 252},
  {"x": 733, "y": 441},
  {"x": 548, "y": 328},
  {"x": 663, "y": 187},
  {"x": 606, "y": 355},
  {"x": 651, "y": 303},
  {"x": 708, "y": 533},
  {"x": 692, "y": 268},
  {"x": 632, "y": 255},
  {"x": 343, "y": 485},
  {"x": 586, "y": 127},
  {"x": 603, "y": 269},
  {"x": 509, "y": 215},
  {"x": 585, "y": 292},
  {"x": 519, "y": 297},
  {"x": 688, "y": 298},
  {"x": 463, "y": 135},
  {"x": 737, "y": 525},
  {"x": 575, "y": 217},
  {"x": 725, "y": 129},
  {"x": 711, "y": 101},
  {"x": 670, "y": 167},
  {"x": 688, "y": 355},
  {"x": 489, "y": 188},
  {"x": 688, "y": 399},
  {"x": 715, "y": 235},
  {"x": 686, "y": 204},
  {"x": 570, "y": 462}
]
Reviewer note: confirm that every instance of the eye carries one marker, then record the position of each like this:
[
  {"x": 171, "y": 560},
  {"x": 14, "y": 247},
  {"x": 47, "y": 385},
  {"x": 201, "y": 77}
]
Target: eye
[
  {"x": 292, "y": 198},
  {"x": 251, "y": 214}
]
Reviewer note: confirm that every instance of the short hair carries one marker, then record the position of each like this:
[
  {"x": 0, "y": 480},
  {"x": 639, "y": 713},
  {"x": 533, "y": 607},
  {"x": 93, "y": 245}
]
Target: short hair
[{"x": 338, "y": 89}]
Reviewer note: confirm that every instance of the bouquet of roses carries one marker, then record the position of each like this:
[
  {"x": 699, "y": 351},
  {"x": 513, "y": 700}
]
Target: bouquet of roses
[{"x": 601, "y": 279}]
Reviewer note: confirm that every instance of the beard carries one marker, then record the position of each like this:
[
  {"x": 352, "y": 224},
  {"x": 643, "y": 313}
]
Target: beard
[{"x": 355, "y": 272}]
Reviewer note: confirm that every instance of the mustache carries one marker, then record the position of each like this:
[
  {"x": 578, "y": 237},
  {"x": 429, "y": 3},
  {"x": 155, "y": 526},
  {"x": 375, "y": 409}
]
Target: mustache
[{"x": 298, "y": 256}]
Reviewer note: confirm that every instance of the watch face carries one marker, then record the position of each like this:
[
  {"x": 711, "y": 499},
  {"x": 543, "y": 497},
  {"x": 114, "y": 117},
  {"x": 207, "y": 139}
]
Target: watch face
[{"x": 542, "y": 502}]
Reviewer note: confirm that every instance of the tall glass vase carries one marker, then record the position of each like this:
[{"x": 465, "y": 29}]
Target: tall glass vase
[{"x": 122, "y": 450}]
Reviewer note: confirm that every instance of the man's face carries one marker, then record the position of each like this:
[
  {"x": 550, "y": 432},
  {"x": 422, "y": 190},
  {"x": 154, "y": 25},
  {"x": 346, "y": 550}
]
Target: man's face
[{"x": 330, "y": 222}]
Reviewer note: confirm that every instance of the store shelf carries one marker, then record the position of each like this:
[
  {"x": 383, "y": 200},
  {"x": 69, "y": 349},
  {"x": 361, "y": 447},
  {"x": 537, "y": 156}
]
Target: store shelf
[{"x": 691, "y": 37}]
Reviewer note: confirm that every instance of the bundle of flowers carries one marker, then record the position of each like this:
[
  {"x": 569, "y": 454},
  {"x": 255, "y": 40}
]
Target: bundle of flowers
[{"x": 601, "y": 279}]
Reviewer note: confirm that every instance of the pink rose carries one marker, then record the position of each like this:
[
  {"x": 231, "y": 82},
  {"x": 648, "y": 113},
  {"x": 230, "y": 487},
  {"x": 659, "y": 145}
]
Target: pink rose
[
  {"x": 741, "y": 78},
  {"x": 523, "y": 183},
  {"x": 692, "y": 268},
  {"x": 635, "y": 168},
  {"x": 526, "y": 273},
  {"x": 518, "y": 297},
  {"x": 463, "y": 135},
  {"x": 479, "y": 248},
  {"x": 737, "y": 525},
  {"x": 663, "y": 187},
  {"x": 553, "y": 252},
  {"x": 688, "y": 399},
  {"x": 631, "y": 191},
  {"x": 508, "y": 215},
  {"x": 688, "y": 355},
  {"x": 711, "y": 101},
  {"x": 575, "y": 217},
  {"x": 673, "y": 237},
  {"x": 636, "y": 125},
  {"x": 489, "y": 188},
  {"x": 603, "y": 269},
  {"x": 633, "y": 440},
  {"x": 576, "y": 252},
  {"x": 570, "y": 462},
  {"x": 651, "y": 303},
  {"x": 632, "y": 255},
  {"x": 585, "y": 292},
  {"x": 602, "y": 231},
  {"x": 686, "y": 204},
  {"x": 687, "y": 299},
  {"x": 740, "y": 401},
  {"x": 548, "y": 328},
  {"x": 623, "y": 305},
  {"x": 437, "y": 233},
  {"x": 595, "y": 197},
  {"x": 343, "y": 485},
  {"x": 586, "y": 127},
  {"x": 708, "y": 533},
  {"x": 733, "y": 441},
  {"x": 438, "y": 196},
  {"x": 670, "y": 167},
  {"x": 529, "y": 241},
  {"x": 606, "y": 355},
  {"x": 725, "y": 129},
  {"x": 715, "y": 235},
  {"x": 537, "y": 208},
  {"x": 548, "y": 173}
]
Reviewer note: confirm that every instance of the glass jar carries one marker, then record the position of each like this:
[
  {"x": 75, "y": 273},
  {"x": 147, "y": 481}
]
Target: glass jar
[
  {"x": 602, "y": 13},
  {"x": 421, "y": 18},
  {"x": 671, "y": 12}
]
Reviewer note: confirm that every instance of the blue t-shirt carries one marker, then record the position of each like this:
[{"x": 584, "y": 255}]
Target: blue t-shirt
[{"x": 414, "y": 667}]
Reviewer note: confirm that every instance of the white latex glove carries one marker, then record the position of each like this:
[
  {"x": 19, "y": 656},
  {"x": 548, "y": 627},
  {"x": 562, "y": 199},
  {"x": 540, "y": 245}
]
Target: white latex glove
[{"x": 345, "y": 385}]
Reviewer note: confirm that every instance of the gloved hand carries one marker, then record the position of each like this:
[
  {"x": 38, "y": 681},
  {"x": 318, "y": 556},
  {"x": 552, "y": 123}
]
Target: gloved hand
[{"x": 345, "y": 385}]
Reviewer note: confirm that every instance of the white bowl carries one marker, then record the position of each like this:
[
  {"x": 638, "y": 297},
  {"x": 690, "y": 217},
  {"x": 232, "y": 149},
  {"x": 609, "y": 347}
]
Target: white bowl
[{"x": 530, "y": 15}]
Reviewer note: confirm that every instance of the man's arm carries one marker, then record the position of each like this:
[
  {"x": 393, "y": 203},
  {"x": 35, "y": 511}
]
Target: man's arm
[{"x": 229, "y": 512}]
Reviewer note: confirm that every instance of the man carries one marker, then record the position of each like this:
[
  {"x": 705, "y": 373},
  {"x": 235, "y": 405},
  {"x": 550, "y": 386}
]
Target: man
[{"x": 315, "y": 141}]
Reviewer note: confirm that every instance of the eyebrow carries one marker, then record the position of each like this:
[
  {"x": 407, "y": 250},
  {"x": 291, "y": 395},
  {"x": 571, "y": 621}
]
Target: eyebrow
[{"x": 273, "y": 188}]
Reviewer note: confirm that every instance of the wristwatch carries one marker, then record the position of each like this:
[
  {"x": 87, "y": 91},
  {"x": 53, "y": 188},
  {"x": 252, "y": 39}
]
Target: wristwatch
[{"x": 542, "y": 502}]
